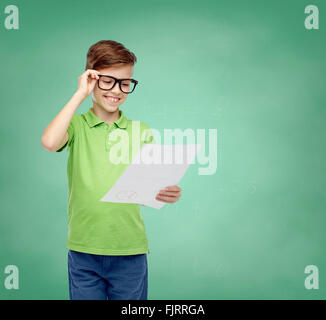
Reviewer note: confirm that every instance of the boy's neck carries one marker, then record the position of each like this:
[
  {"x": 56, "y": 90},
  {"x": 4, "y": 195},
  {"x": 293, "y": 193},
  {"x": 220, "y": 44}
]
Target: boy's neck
[{"x": 105, "y": 116}]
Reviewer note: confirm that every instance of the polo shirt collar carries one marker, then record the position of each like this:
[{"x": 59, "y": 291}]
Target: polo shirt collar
[{"x": 93, "y": 120}]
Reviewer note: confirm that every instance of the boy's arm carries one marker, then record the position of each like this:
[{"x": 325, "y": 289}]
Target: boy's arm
[{"x": 55, "y": 135}]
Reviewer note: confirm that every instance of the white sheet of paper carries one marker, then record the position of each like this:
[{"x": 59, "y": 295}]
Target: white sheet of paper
[{"x": 152, "y": 169}]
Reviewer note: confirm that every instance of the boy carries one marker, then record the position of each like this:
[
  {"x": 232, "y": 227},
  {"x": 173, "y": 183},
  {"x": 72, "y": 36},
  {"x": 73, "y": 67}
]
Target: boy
[{"x": 107, "y": 256}]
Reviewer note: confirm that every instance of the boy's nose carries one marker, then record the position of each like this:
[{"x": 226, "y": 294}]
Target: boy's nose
[{"x": 116, "y": 88}]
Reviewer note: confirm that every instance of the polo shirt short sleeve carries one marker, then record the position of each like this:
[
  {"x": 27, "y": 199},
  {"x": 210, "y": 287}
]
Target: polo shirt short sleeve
[
  {"x": 72, "y": 128},
  {"x": 95, "y": 226}
]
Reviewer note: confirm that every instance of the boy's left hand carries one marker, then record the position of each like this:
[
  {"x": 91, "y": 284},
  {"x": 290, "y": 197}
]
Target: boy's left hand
[{"x": 170, "y": 194}]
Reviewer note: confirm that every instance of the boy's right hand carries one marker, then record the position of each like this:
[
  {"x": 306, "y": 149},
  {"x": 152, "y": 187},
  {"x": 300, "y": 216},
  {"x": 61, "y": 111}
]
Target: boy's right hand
[{"x": 87, "y": 81}]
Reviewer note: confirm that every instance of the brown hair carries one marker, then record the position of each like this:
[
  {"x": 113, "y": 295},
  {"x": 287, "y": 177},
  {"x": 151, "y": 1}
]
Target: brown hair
[{"x": 108, "y": 53}]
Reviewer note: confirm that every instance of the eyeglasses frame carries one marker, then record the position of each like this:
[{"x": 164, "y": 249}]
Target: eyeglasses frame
[{"x": 115, "y": 81}]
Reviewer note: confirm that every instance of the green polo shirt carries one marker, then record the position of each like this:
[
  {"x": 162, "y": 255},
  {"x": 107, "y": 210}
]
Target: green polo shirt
[{"x": 95, "y": 226}]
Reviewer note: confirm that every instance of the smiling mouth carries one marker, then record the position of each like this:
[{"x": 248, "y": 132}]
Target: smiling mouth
[{"x": 112, "y": 99}]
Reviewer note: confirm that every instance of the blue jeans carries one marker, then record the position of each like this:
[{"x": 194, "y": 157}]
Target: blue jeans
[{"x": 102, "y": 277}]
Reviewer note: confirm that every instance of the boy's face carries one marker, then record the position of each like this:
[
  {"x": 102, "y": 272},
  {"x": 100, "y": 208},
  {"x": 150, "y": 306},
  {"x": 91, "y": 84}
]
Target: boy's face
[{"x": 101, "y": 97}]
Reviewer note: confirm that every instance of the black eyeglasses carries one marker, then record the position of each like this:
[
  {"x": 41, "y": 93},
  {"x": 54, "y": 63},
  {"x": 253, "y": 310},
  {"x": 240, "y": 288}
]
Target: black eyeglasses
[{"x": 108, "y": 83}]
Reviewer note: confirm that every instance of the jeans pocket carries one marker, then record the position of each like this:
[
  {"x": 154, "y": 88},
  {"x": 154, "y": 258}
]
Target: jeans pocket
[{"x": 82, "y": 260}]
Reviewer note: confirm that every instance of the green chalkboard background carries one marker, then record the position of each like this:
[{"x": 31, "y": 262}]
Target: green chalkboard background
[{"x": 249, "y": 69}]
